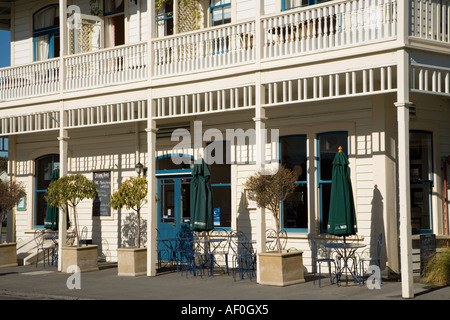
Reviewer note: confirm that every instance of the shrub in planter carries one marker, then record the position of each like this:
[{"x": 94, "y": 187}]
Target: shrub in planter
[
  {"x": 132, "y": 194},
  {"x": 69, "y": 191}
]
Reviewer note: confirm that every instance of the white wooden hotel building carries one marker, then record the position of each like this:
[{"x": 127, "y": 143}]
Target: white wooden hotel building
[{"x": 107, "y": 92}]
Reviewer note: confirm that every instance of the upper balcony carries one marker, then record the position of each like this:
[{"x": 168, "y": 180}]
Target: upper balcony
[{"x": 326, "y": 27}]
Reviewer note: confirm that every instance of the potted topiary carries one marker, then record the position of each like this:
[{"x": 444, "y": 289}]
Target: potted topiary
[
  {"x": 65, "y": 192},
  {"x": 132, "y": 194},
  {"x": 10, "y": 194},
  {"x": 279, "y": 268}
]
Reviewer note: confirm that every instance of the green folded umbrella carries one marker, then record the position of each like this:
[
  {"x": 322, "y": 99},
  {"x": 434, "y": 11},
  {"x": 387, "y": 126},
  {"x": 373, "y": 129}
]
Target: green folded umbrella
[
  {"x": 342, "y": 214},
  {"x": 202, "y": 211}
]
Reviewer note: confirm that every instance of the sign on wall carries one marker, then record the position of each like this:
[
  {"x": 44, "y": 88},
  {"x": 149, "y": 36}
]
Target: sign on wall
[{"x": 102, "y": 182}]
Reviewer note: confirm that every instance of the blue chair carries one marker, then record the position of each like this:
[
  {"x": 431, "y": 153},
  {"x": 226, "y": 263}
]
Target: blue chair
[
  {"x": 317, "y": 261},
  {"x": 366, "y": 258},
  {"x": 243, "y": 256},
  {"x": 219, "y": 256}
]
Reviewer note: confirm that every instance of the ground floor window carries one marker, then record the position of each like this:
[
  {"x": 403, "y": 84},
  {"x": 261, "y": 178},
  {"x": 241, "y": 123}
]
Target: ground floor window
[
  {"x": 44, "y": 167},
  {"x": 421, "y": 180},
  {"x": 327, "y": 147},
  {"x": 293, "y": 155},
  {"x": 218, "y": 156}
]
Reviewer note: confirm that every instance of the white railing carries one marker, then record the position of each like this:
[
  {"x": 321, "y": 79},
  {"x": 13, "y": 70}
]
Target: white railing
[
  {"x": 204, "y": 50},
  {"x": 430, "y": 79},
  {"x": 430, "y": 19},
  {"x": 105, "y": 67},
  {"x": 332, "y": 25},
  {"x": 35, "y": 79}
]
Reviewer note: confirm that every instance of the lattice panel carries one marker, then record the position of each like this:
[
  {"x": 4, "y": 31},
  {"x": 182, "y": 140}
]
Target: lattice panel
[{"x": 188, "y": 10}]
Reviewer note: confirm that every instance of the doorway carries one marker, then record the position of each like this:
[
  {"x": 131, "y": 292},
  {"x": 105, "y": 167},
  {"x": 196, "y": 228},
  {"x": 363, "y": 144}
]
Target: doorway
[{"x": 173, "y": 205}]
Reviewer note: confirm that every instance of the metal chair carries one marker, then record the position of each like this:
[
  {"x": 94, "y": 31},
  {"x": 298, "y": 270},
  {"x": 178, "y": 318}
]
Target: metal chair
[
  {"x": 271, "y": 239},
  {"x": 188, "y": 252},
  {"x": 46, "y": 241},
  {"x": 243, "y": 256},
  {"x": 220, "y": 250},
  {"x": 317, "y": 261},
  {"x": 366, "y": 258}
]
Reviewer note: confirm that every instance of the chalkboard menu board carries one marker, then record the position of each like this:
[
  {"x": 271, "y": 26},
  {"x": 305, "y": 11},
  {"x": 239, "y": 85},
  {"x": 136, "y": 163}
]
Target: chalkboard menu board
[
  {"x": 427, "y": 249},
  {"x": 102, "y": 182}
]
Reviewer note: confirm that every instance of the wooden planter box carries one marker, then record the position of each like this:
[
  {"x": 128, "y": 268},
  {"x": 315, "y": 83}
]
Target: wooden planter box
[
  {"x": 281, "y": 269},
  {"x": 8, "y": 254},
  {"x": 85, "y": 257},
  {"x": 132, "y": 261}
]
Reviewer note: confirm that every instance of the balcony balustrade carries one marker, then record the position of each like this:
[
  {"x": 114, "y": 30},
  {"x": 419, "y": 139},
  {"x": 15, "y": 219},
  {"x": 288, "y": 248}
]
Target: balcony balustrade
[{"x": 308, "y": 30}]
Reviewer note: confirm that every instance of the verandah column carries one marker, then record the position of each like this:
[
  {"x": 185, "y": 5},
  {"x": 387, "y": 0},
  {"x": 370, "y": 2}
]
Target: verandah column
[
  {"x": 403, "y": 106},
  {"x": 152, "y": 220},
  {"x": 260, "y": 117},
  {"x": 63, "y": 135}
]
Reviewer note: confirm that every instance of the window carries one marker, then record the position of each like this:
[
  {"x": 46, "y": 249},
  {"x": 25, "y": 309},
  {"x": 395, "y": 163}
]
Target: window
[
  {"x": 295, "y": 207},
  {"x": 220, "y": 12},
  {"x": 44, "y": 167},
  {"x": 113, "y": 10},
  {"x": 291, "y": 4},
  {"x": 164, "y": 19},
  {"x": 46, "y": 33},
  {"x": 421, "y": 180},
  {"x": 220, "y": 169},
  {"x": 327, "y": 147}
]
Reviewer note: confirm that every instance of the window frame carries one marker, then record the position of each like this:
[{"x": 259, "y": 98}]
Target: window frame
[
  {"x": 51, "y": 31},
  {"x": 430, "y": 181},
  {"x": 320, "y": 182},
  {"x": 222, "y": 6},
  {"x": 55, "y": 161},
  {"x": 285, "y": 4},
  {"x": 298, "y": 182},
  {"x": 223, "y": 184}
]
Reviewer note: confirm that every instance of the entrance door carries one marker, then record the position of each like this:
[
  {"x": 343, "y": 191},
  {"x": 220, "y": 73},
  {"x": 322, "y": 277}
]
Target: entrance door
[{"x": 174, "y": 204}]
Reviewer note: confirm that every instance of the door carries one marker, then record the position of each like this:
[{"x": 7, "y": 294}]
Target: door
[{"x": 174, "y": 205}]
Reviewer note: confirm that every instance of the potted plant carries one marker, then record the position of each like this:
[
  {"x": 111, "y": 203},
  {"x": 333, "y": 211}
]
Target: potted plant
[
  {"x": 132, "y": 194},
  {"x": 69, "y": 191},
  {"x": 10, "y": 194},
  {"x": 279, "y": 268}
]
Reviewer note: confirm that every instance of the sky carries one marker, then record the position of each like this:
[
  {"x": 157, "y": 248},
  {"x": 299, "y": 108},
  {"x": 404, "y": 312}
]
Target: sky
[
  {"x": 5, "y": 48},
  {"x": 5, "y": 58}
]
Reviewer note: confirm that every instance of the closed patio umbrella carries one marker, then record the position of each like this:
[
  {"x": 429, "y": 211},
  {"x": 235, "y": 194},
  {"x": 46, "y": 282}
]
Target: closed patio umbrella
[
  {"x": 202, "y": 212},
  {"x": 52, "y": 213},
  {"x": 342, "y": 215}
]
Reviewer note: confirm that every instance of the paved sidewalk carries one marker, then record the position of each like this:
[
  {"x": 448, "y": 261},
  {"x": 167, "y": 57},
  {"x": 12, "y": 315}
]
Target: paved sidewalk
[{"x": 31, "y": 282}]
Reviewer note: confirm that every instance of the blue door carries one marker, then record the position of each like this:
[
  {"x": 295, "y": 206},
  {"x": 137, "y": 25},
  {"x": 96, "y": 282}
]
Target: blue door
[{"x": 174, "y": 204}]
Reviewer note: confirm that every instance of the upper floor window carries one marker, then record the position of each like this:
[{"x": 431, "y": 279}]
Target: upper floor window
[
  {"x": 114, "y": 13},
  {"x": 291, "y": 4},
  {"x": 220, "y": 12},
  {"x": 164, "y": 19},
  {"x": 46, "y": 33}
]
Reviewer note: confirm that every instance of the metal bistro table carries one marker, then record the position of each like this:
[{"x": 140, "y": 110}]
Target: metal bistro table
[
  {"x": 346, "y": 252},
  {"x": 209, "y": 246}
]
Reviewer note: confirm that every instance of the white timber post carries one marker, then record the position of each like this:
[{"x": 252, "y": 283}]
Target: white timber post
[
  {"x": 63, "y": 136},
  {"x": 152, "y": 254},
  {"x": 260, "y": 135},
  {"x": 152, "y": 236},
  {"x": 403, "y": 105}
]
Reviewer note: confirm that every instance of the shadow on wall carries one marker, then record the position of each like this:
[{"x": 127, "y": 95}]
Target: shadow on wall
[{"x": 378, "y": 225}]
